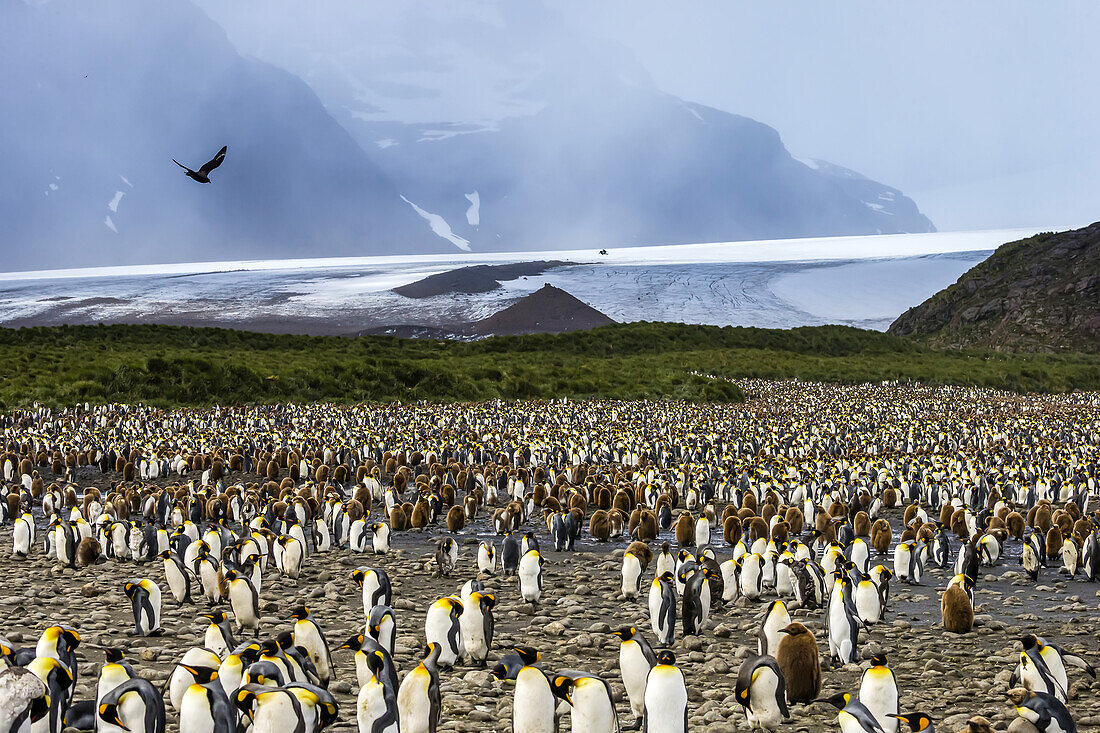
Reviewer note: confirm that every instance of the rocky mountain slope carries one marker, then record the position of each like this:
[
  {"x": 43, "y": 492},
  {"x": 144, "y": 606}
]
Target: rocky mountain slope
[
  {"x": 1037, "y": 294},
  {"x": 99, "y": 97},
  {"x": 524, "y": 132}
]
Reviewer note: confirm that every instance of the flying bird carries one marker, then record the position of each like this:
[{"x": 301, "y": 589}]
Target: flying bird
[{"x": 202, "y": 175}]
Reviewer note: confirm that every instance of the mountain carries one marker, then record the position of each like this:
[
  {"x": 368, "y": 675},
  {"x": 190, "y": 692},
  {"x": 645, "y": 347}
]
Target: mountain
[
  {"x": 99, "y": 97},
  {"x": 518, "y": 131},
  {"x": 1036, "y": 294},
  {"x": 547, "y": 310}
]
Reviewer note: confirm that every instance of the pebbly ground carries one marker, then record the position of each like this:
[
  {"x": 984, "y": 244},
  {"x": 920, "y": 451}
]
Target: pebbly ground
[{"x": 950, "y": 676}]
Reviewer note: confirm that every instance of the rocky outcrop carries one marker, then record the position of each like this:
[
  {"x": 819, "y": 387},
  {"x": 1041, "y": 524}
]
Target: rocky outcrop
[{"x": 1037, "y": 294}]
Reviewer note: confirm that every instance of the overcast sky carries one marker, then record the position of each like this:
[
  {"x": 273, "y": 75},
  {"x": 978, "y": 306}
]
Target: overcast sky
[{"x": 984, "y": 111}]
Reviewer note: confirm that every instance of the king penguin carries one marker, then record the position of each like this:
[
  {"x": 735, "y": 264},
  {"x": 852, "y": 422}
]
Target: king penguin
[
  {"x": 666, "y": 699},
  {"x": 636, "y": 658},
  {"x": 761, "y": 691},
  {"x": 308, "y": 635},
  {"x": 418, "y": 698},
  {"x": 662, "y": 608},
  {"x": 878, "y": 691},
  {"x": 144, "y": 597}
]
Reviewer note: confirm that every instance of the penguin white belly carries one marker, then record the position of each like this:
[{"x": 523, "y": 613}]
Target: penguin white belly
[
  {"x": 592, "y": 711},
  {"x": 764, "y": 711},
  {"x": 784, "y": 583},
  {"x": 486, "y": 561},
  {"x": 215, "y": 642},
  {"x": 132, "y": 713},
  {"x": 634, "y": 668},
  {"x": 306, "y": 635},
  {"x": 901, "y": 562},
  {"x": 840, "y": 639},
  {"x": 277, "y": 716},
  {"x": 729, "y": 581},
  {"x": 879, "y": 694},
  {"x": 292, "y": 559},
  {"x": 177, "y": 581},
  {"x": 702, "y": 532},
  {"x": 195, "y": 711},
  {"x": 370, "y": 706},
  {"x": 412, "y": 703},
  {"x": 208, "y": 574},
  {"x": 867, "y": 603},
  {"x": 533, "y": 704},
  {"x": 438, "y": 628},
  {"x": 665, "y": 703},
  {"x": 21, "y": 539},
  {"x": 749, "y": 582},
  {"x": 529, "y": 580},
  {"x": 665, "y": 564},
  {"x": 473, "y": 632},
  {"x": 632, "y": 573}
]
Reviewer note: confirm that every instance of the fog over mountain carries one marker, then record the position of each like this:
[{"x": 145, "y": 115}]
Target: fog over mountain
[{"x": 373, "y": 128}]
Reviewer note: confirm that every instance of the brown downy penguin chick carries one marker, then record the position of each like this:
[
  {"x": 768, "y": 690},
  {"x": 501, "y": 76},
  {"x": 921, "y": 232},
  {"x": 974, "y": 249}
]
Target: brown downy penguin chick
[
  {"x": 946, "y": 511},
  {"x": 456, "y": 519},
  {"x": 731, "y": 530},
  {"x": 600, "y": 526},
  {"x": 890, "y": 498},
  {"x": 793, "y": 518},
  {"x": 1054, "y": 542},
  {"x": 958, "y": 524},
  {"x": 758, "y": 529},
  {"x": 87, "y": 552},
  {"x": 780, "y": 532},
  {"x": 977, "y": 724},
  {"x": 685, "y": 529},
  {"x": 881, "y": 534},
  {"x": 861, "y": 524},
  {"x": 956, "y": 612},
  {"x": 421, "y": 514},
  {"x": 646, "y": 531},
  {"x": 800, "y": 662},
  {"x": 399, "y": 521}
]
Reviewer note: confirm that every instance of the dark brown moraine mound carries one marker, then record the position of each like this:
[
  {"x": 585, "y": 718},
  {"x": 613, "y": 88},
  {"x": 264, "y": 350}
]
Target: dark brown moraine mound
[
  {"x": 474, "y": 279},
  {"x": 548, "y": 310}
]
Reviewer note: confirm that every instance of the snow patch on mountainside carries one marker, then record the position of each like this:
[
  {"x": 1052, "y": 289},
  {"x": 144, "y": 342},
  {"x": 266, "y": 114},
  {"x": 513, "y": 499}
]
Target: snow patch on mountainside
[
  {"x": 473, "y": 214},
  {"x": 440, "y": 226}
]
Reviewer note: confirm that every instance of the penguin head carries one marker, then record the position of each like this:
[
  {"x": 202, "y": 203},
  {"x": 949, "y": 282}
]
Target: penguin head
[
  {"x": 879, "y": 660},
  {"x": 299, "y": 613},
  {"x": 376, "y": 663},
  {"x": 794, "y": 629},
  {"x": 113, "y": 655},
  {"x": 839, "y": 700},
  {"x": 918, "y": 722},
  {"x": 214, "y": 617},
  {"x": 269, "y": 647},
  {"x": 1018, "y": 696},
  {"x": 1029, "y": 641},
  {"x": 562, "y": 687},
  {"x": 355, "y": 643},
  {"x": 202, "y": 675},
  {"x": 109, "y": 713},
  {"x": 528, "y": 654},
  {"x": 666, "y": 657},
  {"x": 626, "y": 633}
]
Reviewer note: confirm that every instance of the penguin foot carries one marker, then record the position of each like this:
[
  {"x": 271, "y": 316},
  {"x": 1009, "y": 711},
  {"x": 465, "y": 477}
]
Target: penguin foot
[{"x": 636, "y": 725}]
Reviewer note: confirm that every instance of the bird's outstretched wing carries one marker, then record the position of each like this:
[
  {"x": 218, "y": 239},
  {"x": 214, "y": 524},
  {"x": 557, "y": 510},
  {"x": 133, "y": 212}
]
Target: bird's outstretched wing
[
  {"x": 181, "y": 165},
  {"x": 214, "y": 162}
]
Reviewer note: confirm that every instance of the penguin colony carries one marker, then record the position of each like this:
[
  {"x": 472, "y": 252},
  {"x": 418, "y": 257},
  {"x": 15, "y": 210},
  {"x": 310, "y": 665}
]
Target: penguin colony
[{"x": 276, "y": 560}]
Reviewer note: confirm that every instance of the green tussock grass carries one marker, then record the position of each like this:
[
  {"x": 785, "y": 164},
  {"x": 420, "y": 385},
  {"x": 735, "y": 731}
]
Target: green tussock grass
[{"x": 178, "y": 366}]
